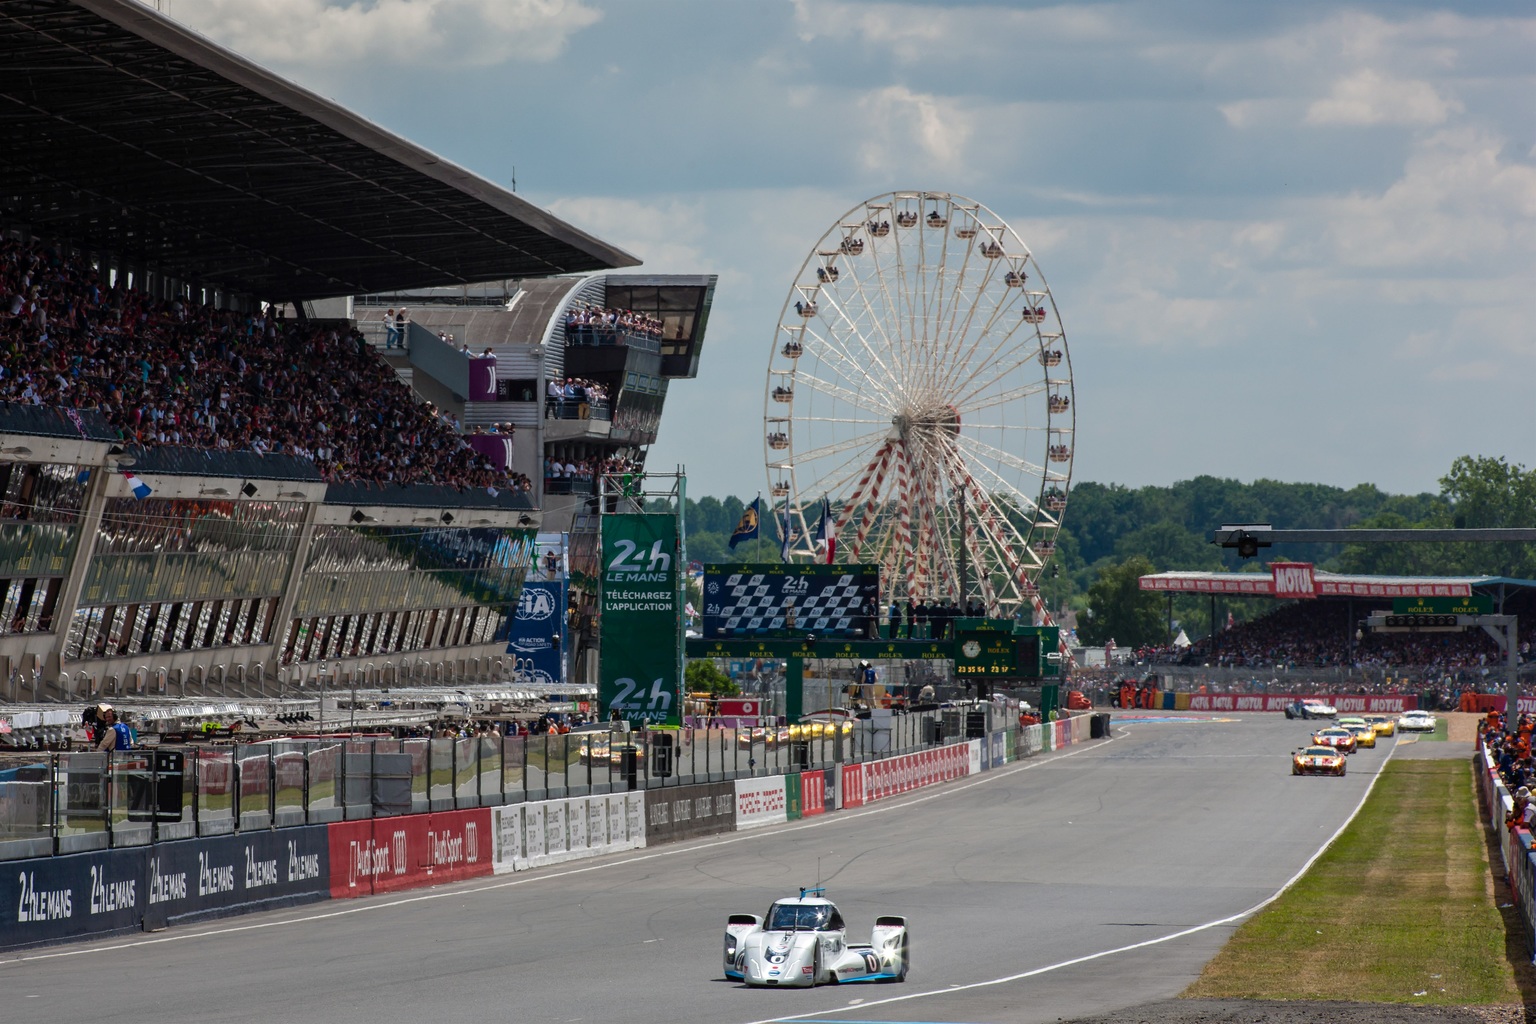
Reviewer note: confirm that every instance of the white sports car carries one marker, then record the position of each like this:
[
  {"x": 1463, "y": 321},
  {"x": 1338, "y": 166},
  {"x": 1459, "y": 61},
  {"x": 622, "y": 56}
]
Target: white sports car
[
  {"x": 1416, "y": 721},
  {"x": 803, "y": 942}
]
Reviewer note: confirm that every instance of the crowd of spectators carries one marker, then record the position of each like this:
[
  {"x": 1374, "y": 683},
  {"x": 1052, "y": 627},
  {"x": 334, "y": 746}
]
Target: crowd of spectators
[
  {"x": 1320, "y": 634},
  {"x": 573, "y": 398},
  {"x": 1509, "y": 748},
  {"x": 587, "y": 320},
  {"x": 588, "y": 469},
  {"x": 929, "y": 620},
  {"x": 173, "y": 373}
]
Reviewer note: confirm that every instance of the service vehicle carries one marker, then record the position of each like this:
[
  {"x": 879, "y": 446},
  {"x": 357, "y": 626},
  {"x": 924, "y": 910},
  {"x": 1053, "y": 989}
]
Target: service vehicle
[
  {"x": 1416, "y": 721},
  {"x": 1318, "y": 760},
  {"x": 802, "y": 942},
  {"x": 1341, "y": 740}
]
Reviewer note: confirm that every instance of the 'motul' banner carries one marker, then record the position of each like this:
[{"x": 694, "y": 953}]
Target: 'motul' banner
[{"x": 641, "y": 619}]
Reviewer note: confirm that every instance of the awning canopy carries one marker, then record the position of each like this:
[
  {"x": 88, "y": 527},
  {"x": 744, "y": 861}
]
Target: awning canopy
[
  {"x": 127, "y": 134},
  {"x": 1256, "y": 584}
]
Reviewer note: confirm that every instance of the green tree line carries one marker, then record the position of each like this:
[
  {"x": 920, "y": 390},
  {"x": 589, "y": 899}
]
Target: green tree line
[{"x": 1113, "y": 534}]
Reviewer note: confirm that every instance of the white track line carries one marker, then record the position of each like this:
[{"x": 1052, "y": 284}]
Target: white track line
[
  {"x": 1119, "y": 949},
  {"x": 895, "y": 804}
]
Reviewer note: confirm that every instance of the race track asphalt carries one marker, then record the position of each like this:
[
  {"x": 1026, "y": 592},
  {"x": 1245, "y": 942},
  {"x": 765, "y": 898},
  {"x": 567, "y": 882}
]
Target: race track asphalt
[{"x": 1081, "y": 882}]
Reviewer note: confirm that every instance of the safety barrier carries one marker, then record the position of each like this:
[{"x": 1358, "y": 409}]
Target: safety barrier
[
  {"x": 150, "y": 886},
  {"x": 1519, "y": 860}
]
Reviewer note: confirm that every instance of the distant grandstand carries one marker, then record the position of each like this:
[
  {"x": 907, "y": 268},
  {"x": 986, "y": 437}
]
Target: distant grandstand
[
  {"x": 206, "y": 490},
  {"x": 1323, "y": 638}
]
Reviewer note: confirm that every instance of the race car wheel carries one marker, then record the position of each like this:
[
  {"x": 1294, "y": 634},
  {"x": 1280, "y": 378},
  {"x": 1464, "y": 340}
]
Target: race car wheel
[
  {"x": 816, "y": 966},
  {"x": 906, "y": 962}
]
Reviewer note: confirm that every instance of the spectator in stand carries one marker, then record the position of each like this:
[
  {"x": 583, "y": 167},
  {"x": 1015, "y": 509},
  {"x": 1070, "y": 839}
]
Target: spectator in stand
[{"x": 170, "y": 373}]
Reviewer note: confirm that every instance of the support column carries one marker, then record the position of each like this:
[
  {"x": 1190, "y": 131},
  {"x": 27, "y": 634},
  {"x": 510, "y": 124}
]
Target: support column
[
  {"x": 794, "y": 688},
  {"x": 85, "y": 547},
  {"x": 290, "y": 595}
]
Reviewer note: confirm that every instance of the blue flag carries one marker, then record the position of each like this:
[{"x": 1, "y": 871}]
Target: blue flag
[
  {"x": 784, "y": 536},
  {"x": 747, "y": 528}
]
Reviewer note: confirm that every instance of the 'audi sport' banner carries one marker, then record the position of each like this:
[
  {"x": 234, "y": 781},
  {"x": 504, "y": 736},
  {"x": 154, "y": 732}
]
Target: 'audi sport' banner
[
  {"x": 391, "y": 854},
  {"x": 896, "y": 775},
  {"x": 852, "y": 780},
  {"x": 761, "y": 802},
  {"x": 1362, "y": 703},
  {"x": 813, "y": 793}
]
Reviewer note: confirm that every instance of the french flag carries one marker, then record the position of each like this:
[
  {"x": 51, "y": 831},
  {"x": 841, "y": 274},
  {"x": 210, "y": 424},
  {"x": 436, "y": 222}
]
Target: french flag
[
  {"x": 139, "y": 488},
  {"x": 826, "y": 536}
]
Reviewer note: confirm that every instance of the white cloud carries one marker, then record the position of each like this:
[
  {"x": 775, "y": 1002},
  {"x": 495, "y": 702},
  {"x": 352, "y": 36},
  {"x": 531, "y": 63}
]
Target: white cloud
[
  {"x": 1368, "y": 97},
  {"x": 1458, "y": 201},
  {"x": 901, "y": 124},
  {"x": 439, "y": 33}
]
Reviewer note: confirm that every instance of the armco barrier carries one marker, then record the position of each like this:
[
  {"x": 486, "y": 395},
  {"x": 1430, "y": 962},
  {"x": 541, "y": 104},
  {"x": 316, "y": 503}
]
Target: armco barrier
[
  {"x": 683, "y": 812},
  {"x": 760, "y": 802},
  {"x": 391, "y": 854},
  {"x": 196, "y": 878},
  {"x": 896, "y": 775},
  {"x": 54, "y": 898}
]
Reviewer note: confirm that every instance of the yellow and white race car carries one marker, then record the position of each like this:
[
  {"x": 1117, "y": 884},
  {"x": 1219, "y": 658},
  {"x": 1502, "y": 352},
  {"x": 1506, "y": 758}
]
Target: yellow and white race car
[
  {"x": 1317, "y": 761},
  {"x": 1385, "y": 725}
]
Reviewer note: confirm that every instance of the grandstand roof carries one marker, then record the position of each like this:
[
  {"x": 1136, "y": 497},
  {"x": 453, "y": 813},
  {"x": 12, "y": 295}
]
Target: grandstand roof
[
  {"x": 1328, "y": 584},
  {"x": 129, "y": 134}
]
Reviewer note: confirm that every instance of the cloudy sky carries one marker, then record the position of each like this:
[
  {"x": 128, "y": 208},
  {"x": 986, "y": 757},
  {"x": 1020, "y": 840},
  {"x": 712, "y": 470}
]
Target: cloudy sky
[{"x": 1289, "y": 240}]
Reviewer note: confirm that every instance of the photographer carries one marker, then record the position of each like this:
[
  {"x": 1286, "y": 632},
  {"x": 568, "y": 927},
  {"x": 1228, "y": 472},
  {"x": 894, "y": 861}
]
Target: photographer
[{"x": 111, "y": 733}]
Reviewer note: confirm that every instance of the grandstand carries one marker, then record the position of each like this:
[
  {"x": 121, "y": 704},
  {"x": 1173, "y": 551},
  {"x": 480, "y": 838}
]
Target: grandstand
[
  {"x": 205, "y": 490},
  {"x": 1323, "y": 638}
]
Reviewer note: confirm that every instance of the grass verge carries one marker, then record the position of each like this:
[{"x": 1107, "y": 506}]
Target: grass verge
[{"x": 1399, "y": 910}]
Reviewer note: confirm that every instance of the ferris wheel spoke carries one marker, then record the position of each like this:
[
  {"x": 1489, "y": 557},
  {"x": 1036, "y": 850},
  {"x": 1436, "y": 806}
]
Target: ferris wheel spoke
[
  {"x": 981, "y": 448},
  {"x": 893, "y": 381},
  {"x": 861, "y": 441},
  {"x": 1002, "y": 398},
  {"x": 860, "y": 402},
  {"x": 832, "y": 355},
  {"x": 978, "y": 383},
  {"x": 887, "y": 382}
]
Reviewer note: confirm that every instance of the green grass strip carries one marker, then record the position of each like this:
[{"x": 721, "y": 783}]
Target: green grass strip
[{"x": 1400, "y": 904}]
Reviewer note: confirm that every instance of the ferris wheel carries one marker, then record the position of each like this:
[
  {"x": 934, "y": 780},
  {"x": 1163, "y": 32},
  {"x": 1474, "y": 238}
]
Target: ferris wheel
[{"x": 919, "y": 399}]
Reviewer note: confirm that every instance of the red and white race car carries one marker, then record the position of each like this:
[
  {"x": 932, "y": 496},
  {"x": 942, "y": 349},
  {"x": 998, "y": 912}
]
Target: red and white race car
[{"x": 1317, "y": 760}]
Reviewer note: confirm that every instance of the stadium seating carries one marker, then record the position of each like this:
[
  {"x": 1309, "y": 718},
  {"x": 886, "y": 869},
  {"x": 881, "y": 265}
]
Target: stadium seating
[{"x": 168, "y": 373}]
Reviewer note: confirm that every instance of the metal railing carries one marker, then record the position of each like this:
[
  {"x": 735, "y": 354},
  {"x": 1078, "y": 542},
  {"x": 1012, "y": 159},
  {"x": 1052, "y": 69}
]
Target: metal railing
[{"x": 74, "y": 802}]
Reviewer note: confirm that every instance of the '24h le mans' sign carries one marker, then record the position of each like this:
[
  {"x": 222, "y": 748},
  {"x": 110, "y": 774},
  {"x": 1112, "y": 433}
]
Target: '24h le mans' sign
[{"x": 641, "y": 619}]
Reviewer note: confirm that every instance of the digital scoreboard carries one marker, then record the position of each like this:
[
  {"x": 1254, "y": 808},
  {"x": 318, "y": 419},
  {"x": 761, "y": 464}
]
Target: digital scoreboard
[{"x": 995, "y": 655}]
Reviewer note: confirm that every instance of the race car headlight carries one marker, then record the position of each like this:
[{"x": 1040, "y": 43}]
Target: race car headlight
[{"x": 730, "y": 945}]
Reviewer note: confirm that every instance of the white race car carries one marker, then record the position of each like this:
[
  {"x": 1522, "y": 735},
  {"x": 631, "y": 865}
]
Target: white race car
[
  {"x": 803, "y": 942},
  {"x": 1416, "y": 721}
]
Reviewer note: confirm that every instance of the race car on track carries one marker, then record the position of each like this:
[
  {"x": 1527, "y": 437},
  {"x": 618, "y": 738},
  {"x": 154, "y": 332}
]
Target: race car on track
[
  {"x": 1341, "y": 740},
  {"x": 1385, "y": 725},
  {"x": 1309, "y": 708},
  {"x": 803, "y": 942},
  {"x": 1365, "y": 735},
  {"x": 1317, "y": 761},
  {"x": 1416, "y": 721}
]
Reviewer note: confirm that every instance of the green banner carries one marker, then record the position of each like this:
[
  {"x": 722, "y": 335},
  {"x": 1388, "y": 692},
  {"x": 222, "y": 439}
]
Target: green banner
[{"x": 641, "y": 619}]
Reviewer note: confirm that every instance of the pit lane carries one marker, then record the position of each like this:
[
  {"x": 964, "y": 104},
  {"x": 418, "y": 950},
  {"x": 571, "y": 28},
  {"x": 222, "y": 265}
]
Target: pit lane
[{"x": 1042, "y": 890}]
